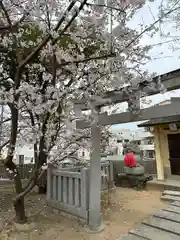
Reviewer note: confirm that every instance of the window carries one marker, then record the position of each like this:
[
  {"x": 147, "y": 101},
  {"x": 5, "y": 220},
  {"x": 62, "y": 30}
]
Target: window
[
  {"x": 119, "y": 141},
  {"x": 151, "y": 154},
  {"x": 126, "y": 140},
  {"x": 83, "y": 153},
  {"x": 147, "y": 129},
  {"x": 21, "y": 159},
  {"x": 32, "y": 160},
  {"x": 116, "y": 151},
  {"x": 150, "y": 141}
]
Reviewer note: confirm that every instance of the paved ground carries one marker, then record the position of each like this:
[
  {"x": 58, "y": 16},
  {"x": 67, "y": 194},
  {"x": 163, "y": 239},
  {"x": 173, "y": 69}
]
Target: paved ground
[{"x": 121, "y": 211}]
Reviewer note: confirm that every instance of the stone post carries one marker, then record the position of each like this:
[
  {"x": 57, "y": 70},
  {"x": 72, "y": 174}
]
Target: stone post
[{"x": 95, "y": 221}]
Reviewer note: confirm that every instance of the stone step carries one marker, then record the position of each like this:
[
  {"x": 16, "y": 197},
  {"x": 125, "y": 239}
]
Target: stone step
[
  {"x": 170, "y": 198},
  {"x": 171, "y": 216},
  {"x": 172, "y": 208},
  {"x": 165, "y": 225},
  {"x": 177, "y": 204},
  {"x": 132, "y": 237},
  {"x": 172, "y": 188},
  {"x": 153, "y": 233},
  {"x": 171, "y": 193}
]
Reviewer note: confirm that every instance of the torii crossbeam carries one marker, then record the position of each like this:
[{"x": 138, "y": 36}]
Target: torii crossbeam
[{"x": 170, "y": 80}]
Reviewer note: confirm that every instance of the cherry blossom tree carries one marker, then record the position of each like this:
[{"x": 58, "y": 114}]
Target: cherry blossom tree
[
  {"x": 52, "y": 53},
  {"x": 4, "y": 129},
  {"x": 168, "y": 32}
]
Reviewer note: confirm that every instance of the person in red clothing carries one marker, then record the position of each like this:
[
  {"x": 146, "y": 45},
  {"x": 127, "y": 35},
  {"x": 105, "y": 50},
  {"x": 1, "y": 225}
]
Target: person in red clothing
[{"x": 129, "y": 159}]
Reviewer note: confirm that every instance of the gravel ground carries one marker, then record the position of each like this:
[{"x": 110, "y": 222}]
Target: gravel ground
[{"x": 127, "y": 207}]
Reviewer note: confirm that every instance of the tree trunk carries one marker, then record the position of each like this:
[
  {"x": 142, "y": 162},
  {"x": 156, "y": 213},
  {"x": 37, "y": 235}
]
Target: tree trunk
[
  {"x": 42, "y": 190},
  {"x": 20, "y": 211},
  {"x": 42, "y": 183},
  {"x": 19, "y": 202},
  {"x": 42, "y": 159}
]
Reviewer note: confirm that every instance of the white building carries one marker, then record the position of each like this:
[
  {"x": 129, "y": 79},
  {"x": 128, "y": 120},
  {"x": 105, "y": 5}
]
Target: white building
[
  {"x": 23, "y": 155},
  {"x": 147, "y": 148},
  {"x": 142, "y": 138},
  {"x": 121, "y": 136},
  {"x": 83, "y": 153}
]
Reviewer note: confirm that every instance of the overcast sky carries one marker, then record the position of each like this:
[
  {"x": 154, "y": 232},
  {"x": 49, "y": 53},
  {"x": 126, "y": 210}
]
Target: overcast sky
[{"x": 168, "y": 60}]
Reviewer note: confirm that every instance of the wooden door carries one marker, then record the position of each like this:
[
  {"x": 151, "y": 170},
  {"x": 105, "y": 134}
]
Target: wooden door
[{"x": 174, "y": 153}]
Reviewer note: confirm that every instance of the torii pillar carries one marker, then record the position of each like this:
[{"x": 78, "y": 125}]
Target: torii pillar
[{"x": 94, "y": 219}]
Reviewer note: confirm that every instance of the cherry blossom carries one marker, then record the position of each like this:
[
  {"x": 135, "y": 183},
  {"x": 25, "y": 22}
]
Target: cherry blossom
[{"x": 53, "y": 52}]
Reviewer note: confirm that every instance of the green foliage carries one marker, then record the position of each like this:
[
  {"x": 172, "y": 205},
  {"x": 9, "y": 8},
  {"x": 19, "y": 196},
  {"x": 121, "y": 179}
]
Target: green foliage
[
  {"x": 91, "y": 49},
  {"x": 29, "y": 35},
  {"x": 30, "y": 32},
  {"x": 65, "y": 40}
]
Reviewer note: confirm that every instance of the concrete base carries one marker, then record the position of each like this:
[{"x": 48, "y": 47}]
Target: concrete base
[
  {"x": 136, "y": 171},
  {"x": 167, "y": 184},
  {"x": 167, "y": 172},
  {"x": 98, "y": 229}
]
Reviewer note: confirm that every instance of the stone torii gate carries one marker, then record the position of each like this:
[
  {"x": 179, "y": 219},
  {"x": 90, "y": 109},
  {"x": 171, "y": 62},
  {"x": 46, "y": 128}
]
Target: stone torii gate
[{"x": 171, "y": 81}]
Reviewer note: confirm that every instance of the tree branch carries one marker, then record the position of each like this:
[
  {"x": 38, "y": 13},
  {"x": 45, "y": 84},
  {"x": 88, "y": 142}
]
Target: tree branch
[
  {"x": 5, "y": 13},
  {"x": 15, "y": 25},
  {"x": 35, "y": 144},
  {"x": 3, "y": 145},
  {"x": 3, "y": 49},
  {"x": 105, "y": 6},
  {"x": 54, "y": 137},
  {"x": 47, "y": 38},
  {"x": 6, "y": 120},
  {"x": 87, "y": 59},
  {"x": 26, "y": 191},
  {"x": 148, "y": 28}
]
